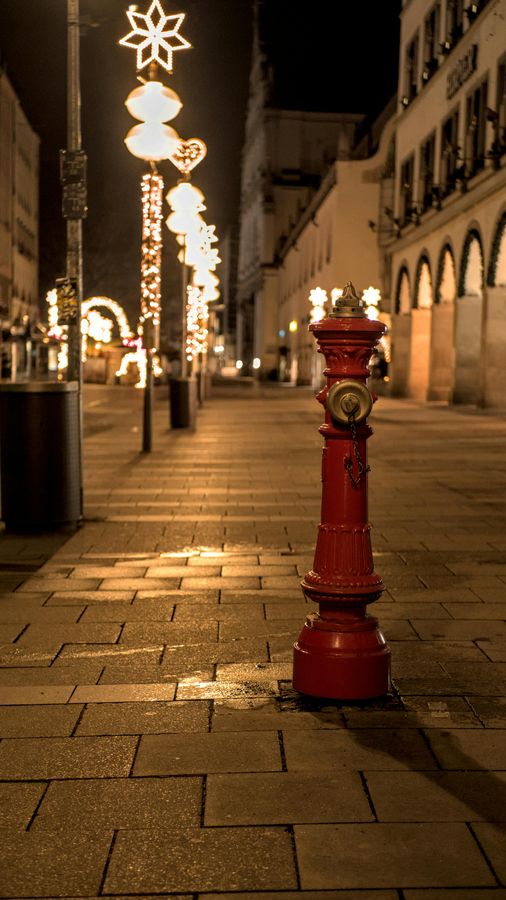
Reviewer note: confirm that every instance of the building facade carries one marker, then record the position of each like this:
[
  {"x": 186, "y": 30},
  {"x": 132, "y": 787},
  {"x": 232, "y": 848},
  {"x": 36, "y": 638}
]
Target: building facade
[
  {"x": 19, "y": 211},
  {"x": 447, "y": 247}
]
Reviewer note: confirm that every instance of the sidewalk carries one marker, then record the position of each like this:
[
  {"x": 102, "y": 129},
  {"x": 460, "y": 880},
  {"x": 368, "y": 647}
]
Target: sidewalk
[{"x": 151, "y": 741}]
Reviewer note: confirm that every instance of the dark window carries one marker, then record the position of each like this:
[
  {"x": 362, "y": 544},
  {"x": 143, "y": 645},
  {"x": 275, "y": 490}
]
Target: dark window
[
  {"x": 430, "y": 43},
  {"x": 427, "y": 162},
  {"x": 411, "y": 72},
  {"x": 501, "y": 105},
  {"x": 454, "y": 24},
  {"x": 449, "y": 154},
  {"x": 476, "y": 108},
  {"x": 407, "y": 184}
]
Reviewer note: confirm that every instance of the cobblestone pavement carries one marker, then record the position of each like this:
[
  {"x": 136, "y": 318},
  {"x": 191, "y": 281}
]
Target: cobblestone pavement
[{"x": 151, "y": 741}]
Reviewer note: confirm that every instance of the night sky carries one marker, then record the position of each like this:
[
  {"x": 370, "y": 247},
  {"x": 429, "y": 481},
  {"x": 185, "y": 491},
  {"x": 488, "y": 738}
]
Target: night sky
[{"x": 212, "y": 81}]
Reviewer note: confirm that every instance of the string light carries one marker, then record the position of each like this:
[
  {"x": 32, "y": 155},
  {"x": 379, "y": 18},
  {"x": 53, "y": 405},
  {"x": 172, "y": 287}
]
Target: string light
[
  {"x": 137, "y": 357},
  {"x": 151, "y": 38},
  {"x": 151, "y": 251},
  {"x": 197, "y": 319},
  {"x": 115, "y": 308}
]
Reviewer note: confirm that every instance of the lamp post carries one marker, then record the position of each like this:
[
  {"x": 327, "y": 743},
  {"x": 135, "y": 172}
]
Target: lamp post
[{"x": 155, "y": 37}]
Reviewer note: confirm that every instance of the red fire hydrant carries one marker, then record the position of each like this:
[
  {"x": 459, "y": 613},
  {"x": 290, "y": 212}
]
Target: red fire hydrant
[{"x": 340, "y": 652}]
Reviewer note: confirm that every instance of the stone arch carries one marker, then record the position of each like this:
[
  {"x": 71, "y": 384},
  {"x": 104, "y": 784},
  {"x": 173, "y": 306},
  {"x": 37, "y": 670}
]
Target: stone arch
[
  {"x": 422, "y": 294},
  {"x": 403, "y": 292},
  {"x": 471, "y": 265},
  {"x": 401, "y": 334},
  {"x": 421, "y": 324},
  {"x": 497, "y": 267},
  {"x": 446, "y": 278},
  {"x": 442, "y": 352},
  {"x": 468, "y": 319}
]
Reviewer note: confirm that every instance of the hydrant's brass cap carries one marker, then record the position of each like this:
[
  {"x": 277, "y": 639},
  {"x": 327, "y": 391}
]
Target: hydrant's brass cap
[{"x": 348, "y": 305}]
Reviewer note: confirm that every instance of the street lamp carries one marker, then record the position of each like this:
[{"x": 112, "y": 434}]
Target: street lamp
[{"x": 155, "y": 37}]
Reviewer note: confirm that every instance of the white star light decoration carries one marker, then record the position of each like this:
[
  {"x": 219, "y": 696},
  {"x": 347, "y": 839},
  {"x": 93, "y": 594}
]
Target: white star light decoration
[{"x": 155, "y": 41}]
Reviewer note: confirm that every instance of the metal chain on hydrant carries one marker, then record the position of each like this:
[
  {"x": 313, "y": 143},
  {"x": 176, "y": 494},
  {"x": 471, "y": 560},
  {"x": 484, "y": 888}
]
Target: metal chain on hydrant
[{"x": 348, "y": 463}]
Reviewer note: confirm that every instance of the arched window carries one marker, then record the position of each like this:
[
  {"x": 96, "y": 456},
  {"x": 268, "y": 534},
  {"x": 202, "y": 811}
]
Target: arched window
[
  {"x": 471, "y": 268},
  {"x": 403, "y": 293},
  {"x": 446, "y": 287}
]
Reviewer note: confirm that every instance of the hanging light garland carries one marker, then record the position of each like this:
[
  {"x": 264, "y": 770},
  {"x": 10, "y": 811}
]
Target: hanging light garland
[{"x": 197, "y": 320}]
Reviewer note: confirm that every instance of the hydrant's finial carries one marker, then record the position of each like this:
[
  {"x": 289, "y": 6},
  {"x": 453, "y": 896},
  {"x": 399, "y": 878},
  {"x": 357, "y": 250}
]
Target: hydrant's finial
[{"x": 348, "y": 304}]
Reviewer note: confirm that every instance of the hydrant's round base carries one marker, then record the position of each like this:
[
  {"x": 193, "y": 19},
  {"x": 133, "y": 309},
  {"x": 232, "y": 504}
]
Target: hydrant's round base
[{"x": 341, "y": 664}]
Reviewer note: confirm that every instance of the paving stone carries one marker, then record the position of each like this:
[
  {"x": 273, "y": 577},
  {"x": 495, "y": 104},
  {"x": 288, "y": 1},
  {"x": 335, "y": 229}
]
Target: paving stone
[
  {"x": 188, "y": 612},
  {"x": 43, "y": 615},
  {"x": 381, "y": 854},
  {"x": 144, "y": 718},
  {"x": 495, "y": 650},
  {"x": 211, "y": 690},
  {"x": 108, "y": 652},
  {"x": 456, "y": 894},
  {"x": 416, "y": 712},
  {"x": 159, "y": 610},
  {"x": 187, "y": 584},
  {"x": 358, "y": 750},
  {"x": 22, "y": 656},
  {"x": 491, "y": 838},
  {"x": 30, "y": 694},
  {"x": 113, "y": 693},
  {"x": 469, "y": 749},
  {"x": 438, "y": 796},
  {"x": 178, "y": 754},
  {"x": 183, "y": 572},
  {"x": 474, "y": 630},
  {"x": 168, "y": 633},
  {"x": 38, "y": 721},
  {"x": 249, "y": 799},
  {"x": 267, "y": 714},
  {"x": 490, "y": 710},
  {"x": 138, "y": 584},
  {"x": 113, "y": 571},
  {"x": 310, "y": 895},
  {"x": 43, "y": 635},
  {"x": 125, "y": 672},
  {"x": 84, "y": 671},
  {"x": 46, "y": 865},
  {"x": 45, "y": 585},
  {"x": 209, "y": 859},
  {"x": 113, "y": 803},
  {"x": 83, "y": 757},
  {"x": 18, "y": 803},
  {"x": 11, "y": 632},
  {"x": 66, "y": 598},
  {"x": 254, "y": 671}
]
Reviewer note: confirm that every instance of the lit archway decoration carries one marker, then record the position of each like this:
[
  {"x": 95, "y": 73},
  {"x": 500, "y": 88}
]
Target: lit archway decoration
[{"x": 115, "y": 308}]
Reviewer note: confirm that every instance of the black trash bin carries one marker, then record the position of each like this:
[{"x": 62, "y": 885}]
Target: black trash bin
[
  {"x": 183, "y": 402},
  {"x": 40, "y": 456}
]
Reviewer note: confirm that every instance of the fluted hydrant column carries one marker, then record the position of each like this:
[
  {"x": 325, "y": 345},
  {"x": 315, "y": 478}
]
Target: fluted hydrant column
[{"x": 341, "y": 652}]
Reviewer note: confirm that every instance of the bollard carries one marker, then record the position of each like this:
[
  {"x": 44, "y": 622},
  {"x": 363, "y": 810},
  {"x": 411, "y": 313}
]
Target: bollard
[{"x": 341, "y": 652}]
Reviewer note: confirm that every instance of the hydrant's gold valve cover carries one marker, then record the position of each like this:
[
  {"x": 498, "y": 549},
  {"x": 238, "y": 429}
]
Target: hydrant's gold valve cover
[{"x": 349, "y": 398}]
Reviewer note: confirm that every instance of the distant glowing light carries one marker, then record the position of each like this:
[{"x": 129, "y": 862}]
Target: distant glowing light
[
  {"x": 371, "y": 296},
  {"x": 137, "y": 358},
  {"x": 197, "y": 318},
  {"x": 256, "y": 363},
  {"x": 293, "y": 326},
  {"x": 219, "y": 348},
  {"x": 155, "y": 40},
  {"x": 317, "y": 299},
  {"x": 151, "y": 141},
  {"x": 239, "y": 364},
  {"x": 188, "y": 154},
  {"x": 281, "y": 332},
  {"x": 336, "y": 294}
]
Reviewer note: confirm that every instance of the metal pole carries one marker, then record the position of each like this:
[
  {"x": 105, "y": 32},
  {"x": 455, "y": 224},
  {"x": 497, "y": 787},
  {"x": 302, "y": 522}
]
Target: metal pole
[
  {"x": 74, "y": 226},
  {"x": 147, "y": 431},
  {"x": 184, "y": 285}
]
